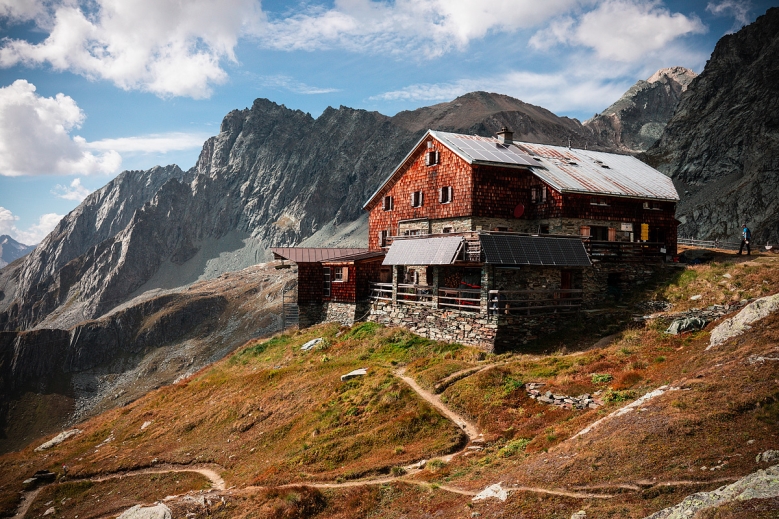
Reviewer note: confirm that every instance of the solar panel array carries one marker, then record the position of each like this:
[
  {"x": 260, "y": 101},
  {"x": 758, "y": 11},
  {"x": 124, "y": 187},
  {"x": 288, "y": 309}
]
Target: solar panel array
[
  {"x": 534, "y": 250},
  {"x": 423, "y": 251},
  {"x": 486, "y": 149}
]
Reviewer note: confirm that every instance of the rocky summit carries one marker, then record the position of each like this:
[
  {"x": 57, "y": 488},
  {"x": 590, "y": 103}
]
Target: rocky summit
[
  {"x": 720, "y": 145},
  {"x": 11, "y": 250},
  {"x": 638, "y": 118}
]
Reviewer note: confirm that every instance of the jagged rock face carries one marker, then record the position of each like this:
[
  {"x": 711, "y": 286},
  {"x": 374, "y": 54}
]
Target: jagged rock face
[
  {"x": 721, "y": 147},
  {"x": 11, "y": 250},
  {"x": 637, "y": 119},
  {"x": 273, "y": 176}
]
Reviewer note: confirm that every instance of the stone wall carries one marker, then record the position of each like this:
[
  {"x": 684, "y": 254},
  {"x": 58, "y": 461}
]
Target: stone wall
[
  {"x": 625, "y": 277},
  {"x": 310, "y": 314}
]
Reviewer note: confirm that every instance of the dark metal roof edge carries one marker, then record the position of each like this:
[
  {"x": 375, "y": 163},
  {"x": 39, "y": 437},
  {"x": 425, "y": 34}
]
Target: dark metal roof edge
[{"x": 618, "y": 195}]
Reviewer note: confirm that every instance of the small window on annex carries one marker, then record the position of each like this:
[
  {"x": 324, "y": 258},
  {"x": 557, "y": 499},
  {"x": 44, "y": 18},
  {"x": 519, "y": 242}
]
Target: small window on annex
[
  {"x": 341, "y": 274},
  {"x": 538, "y": 195},
  {"x": 445, "y": 194}
]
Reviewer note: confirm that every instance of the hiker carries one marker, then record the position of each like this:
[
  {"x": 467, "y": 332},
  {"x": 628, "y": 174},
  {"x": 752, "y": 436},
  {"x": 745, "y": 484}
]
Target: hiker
[{"x": 746, "y": 237}]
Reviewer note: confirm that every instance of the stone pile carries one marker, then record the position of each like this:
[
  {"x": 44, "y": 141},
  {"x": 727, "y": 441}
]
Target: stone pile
[{"x": 585, "y": 401}]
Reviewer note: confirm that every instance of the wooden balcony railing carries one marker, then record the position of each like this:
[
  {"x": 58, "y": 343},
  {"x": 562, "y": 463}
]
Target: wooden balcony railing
[
  {"x": 415, "y": 294},
  {"x": 623, "y": 250},
  {"x": 381, "y": 292},
  {"x": 467, "y": 299},
  {"x": 528, "y": 302}
]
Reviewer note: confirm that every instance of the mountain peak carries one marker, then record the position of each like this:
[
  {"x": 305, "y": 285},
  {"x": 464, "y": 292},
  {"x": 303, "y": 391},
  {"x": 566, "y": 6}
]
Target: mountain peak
[
  {"x": 681, "y": 75},
  {"x": 11, "y": 250}
]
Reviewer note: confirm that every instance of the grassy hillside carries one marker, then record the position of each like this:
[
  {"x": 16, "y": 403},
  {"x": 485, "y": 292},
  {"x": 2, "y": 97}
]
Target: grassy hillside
[{"x": 290, "y": 439}]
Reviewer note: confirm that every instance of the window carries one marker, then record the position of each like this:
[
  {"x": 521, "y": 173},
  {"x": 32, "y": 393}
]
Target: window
[
  {"x": 326, "y": 289},
  {"x": 411, "y": 232},
  {"x": 653, "y": 206},
  {"x": 431, "y": 158},
  {"x": 383, "y": 238},
  {"x": 599, "y": 201},
  {"x": 445, "y": 194},
  {"x": 388, "y": 204},
  {"x": 538, "y": 195},
  {"x": 448, "y": 229},
  {"x": 543, "y": 228},
  {"x": 417, "y": 198},
  {"x": 341, "y": 274}
]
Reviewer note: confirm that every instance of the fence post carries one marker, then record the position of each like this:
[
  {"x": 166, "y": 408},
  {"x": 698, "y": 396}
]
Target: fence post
[{"x": 435, "y": 286}]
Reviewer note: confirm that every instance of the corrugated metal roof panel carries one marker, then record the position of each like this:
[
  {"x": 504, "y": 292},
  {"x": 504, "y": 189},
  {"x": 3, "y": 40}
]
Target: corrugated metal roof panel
[
  {"x": 474, "y": 148},
  {"x": 596, "y": 172},
  {"x": 424, "y": 251},
  {"x": 311, "y": 254},
  {"x": 534, "y": 250}
]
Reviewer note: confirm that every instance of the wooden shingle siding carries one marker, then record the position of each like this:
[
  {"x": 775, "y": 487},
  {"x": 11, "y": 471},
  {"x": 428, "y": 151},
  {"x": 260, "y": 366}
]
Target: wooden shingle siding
[
  {"x": 451, "y": 170},
  {"x": 310, "y": 283}
]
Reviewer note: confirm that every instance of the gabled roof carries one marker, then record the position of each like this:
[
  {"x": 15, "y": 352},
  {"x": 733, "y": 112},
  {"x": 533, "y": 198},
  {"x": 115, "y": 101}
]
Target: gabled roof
[
  {"x": 566, "y": 170},
  {"x": 313, "y": 255}
]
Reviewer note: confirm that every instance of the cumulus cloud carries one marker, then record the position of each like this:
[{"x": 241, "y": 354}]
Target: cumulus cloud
[
  {"x": 75, "y": 191},
  {"x": 35, "y": 135},
  {"x": 34, "y": 234},
  {"x": 21, "y": 10},
  {"x": 620, "y": 30},
  {"x": 167, "y": 47},
  {"x": 430, "y": 26}
]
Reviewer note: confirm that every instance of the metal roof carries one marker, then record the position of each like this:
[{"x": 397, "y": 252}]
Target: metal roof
[
  {"x": 504, "y": 249},
  {"x": 596, "y": 172},
  {"x": 424, "y": 251},
  {"x": 565, "y": 169},
  {"x": 484, "y": 150},
  {"x": 356, "y": 257},
  {"x": 312, "y": 255}
]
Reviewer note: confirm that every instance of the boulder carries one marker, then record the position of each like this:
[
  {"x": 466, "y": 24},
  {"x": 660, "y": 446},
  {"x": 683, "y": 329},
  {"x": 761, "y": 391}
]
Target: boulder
[
  {"x": 158, "y": 511},
  {"x": 740, "y": 322},
  {"x": 61, "y": 437},
  {"x": 686, "y": 325}
]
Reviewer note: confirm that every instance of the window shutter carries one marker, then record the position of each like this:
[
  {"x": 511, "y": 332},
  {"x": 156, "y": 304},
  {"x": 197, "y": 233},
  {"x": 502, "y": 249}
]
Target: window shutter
[
  {"x": 437, "y": 157},
  {"x": 428, "y": 157},
  {"x": 584, "y": 230},
  {"x": 421, "y": 198},
  {"x": 441, "y": 194},
  {"x": 451, "y": 193},
  {"x": 612, "y": 234},
  {"x": 345, "y": 275}
]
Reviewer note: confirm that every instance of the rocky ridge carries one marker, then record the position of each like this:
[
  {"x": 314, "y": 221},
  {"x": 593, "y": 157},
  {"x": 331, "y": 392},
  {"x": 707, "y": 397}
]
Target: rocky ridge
[
  {"x": 720, "y": 145},
  {"x": 637, "y": 119},
  {"x": 11, "y": 250}
]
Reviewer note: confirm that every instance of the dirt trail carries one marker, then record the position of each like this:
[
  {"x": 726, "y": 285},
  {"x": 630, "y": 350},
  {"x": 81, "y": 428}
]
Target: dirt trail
[
  {"x": 470, "y": 429},
  {"x": 217, "y": 483},
  {"x": 27, "y": 500}
]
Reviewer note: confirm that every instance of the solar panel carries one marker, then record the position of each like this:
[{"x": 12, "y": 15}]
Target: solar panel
[
  {"x": 534, "y": 250},
  {"x": 487, "y": 150},
  {"x": 423, "y": 251}
]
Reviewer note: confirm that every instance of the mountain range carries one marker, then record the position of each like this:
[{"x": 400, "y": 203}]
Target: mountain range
[
  {"x": 274, "y": 176},
  {"x": 11, "y": 250}
]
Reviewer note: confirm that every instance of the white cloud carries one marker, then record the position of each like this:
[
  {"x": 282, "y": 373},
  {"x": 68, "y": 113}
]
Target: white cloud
[
  {"x": 35, "y": 135},
  {"x": 75, "y": 191},
  {"x": 34, "y": 234},
  {"x": 167, "y": 47},
  {"x": 558, "y": 92},
  {"x": 432, "y": 27},
  {"x": 152, "y": 143},
  {"x": 621, "y": 30},
  {"x": 738, "y": 10},
  {"x": 293, "y": 85},
  {"x": 21, "y": 10}
]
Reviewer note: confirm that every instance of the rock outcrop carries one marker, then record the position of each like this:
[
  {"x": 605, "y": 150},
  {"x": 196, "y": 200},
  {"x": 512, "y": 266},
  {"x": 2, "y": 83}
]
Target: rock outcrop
[
  {"x": 638, "y": 118},
  {"x": 720, "y": 147}
]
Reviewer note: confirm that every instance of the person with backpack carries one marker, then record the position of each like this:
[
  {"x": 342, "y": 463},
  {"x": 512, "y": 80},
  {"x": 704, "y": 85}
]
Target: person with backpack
[{"x": 746, "y": 237}]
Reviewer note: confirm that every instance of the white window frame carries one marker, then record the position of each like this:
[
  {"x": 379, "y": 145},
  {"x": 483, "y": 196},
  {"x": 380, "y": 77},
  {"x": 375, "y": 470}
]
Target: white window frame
[
  {"x": 432, "y": 158},
  {"x": 383, "y": 235},
  {"x": 388, "y": 203},
  {"x": 417, "y": 199},
  {"x": 340, "y": 274},
  {"x": 445, "y": 194}
]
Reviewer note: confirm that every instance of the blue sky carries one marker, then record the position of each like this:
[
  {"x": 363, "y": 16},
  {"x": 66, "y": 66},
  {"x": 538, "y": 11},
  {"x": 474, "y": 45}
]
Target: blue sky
[{"x": 89, "y": 88}]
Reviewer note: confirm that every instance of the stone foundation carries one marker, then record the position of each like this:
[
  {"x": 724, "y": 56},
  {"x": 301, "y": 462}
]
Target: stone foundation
[{"x": 345, "y": 313}]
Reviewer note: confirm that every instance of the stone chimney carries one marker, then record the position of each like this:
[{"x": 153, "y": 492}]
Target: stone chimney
[{"x": 505, "y": 136}]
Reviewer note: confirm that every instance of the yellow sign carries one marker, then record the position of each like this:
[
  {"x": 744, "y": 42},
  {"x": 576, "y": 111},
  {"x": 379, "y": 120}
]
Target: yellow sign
[{"x": 644, "y": 232}]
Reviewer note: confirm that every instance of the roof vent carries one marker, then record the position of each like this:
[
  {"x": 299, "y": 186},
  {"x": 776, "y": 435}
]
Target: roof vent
[{"x": 505, "y": 136}]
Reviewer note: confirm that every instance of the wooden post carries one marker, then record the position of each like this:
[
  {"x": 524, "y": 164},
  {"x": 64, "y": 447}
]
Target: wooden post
[
  {"x": 487, "y": 280},
  {"x": 435, "y": 286},
  {"x": 395, "y": 284}
]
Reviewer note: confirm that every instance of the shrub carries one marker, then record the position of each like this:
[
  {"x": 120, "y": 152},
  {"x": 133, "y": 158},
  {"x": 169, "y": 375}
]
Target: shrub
[
  {"x": 513, "y": 447},
  {"x": 601, "y": 378},
  {"x": 397, "y": 471},
  {"x": 612, "y": 395},
  {"x": 435, "y": 465}
]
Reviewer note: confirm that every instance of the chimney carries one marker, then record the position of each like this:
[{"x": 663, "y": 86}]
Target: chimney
[{"x": 505, "y": 136}]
